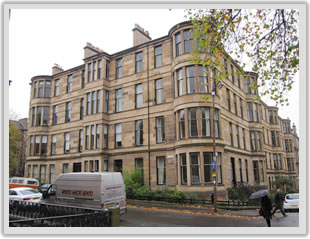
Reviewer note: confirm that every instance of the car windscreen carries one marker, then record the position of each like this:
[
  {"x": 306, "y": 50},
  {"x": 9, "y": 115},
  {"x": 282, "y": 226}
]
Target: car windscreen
[
  {"x": 292, "y": 197},
  {"x": 28, "y": 191}
]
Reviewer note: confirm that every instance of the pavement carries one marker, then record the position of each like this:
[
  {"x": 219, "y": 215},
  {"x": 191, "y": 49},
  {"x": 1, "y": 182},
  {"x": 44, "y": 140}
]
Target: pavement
[{"x": 194, "y": 209}]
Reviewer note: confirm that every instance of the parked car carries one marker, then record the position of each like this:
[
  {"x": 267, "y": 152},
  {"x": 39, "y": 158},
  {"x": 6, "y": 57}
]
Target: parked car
[
  {"x": 43, "y": 188},
  {"x": 291, "y": 202},
  {"x": 24, "y": 194}
]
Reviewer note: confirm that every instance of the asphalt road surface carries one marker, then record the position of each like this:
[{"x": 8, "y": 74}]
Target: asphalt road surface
[{"x": 145, "y": 217}]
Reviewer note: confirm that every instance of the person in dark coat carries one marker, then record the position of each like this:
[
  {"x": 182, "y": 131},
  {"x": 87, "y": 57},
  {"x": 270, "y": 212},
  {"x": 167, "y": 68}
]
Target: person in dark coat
[
  {"x": 266, "y": 207},
  {"x": 278, "y": 199}
]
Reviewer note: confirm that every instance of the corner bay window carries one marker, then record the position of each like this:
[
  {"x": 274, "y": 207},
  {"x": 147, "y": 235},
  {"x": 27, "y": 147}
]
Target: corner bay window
[
  {"x": 195, "y": 168},
  {"x": 178, "y": 44},
  {"x": 183, "y": 165},
  {"x": 41, "y": 85},
  {"x": 190, "y": 79},
  {"x": 192, "y": 122},
  {"x": 208, "y": 158},
  {"x": 203, "y": 79},
  {"x": 47, "y": 92},
  {"x": 46, "y": 111},
  {"x": 181, "y": 124},
  {"x": 44, "y": 145},
  {"x": 188, "y": 41},
  {"x": 205, "y": 120},
  {"x": 180, "y": 82}
]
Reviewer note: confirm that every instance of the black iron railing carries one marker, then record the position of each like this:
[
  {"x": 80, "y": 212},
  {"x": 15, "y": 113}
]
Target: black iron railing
[
  {"x": 51, "y": 215},
  {"x": 228, "y": 203}
]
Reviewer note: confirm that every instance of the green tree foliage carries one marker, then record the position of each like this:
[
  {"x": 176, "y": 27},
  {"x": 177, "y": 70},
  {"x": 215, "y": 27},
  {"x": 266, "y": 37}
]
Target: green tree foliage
[
  {"x": 288, "y": 185},
  {"x": 266, "y": 39},
  {"x": 15, "y": 147}
]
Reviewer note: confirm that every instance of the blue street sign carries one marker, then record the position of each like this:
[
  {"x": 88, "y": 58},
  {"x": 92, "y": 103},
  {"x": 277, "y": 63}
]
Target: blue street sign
[{"x": 213, "y": 165}]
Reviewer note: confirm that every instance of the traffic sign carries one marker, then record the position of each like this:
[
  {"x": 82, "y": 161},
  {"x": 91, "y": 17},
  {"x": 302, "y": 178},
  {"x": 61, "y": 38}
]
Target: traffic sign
[{"x": 213, "y": 165}]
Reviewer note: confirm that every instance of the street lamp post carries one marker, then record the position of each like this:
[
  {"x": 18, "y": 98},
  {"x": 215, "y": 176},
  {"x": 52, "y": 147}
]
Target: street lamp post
[{"x": 214, "y": 158}]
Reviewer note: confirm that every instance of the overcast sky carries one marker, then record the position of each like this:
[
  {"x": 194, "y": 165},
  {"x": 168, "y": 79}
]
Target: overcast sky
[{"x": 38, "y": 38}]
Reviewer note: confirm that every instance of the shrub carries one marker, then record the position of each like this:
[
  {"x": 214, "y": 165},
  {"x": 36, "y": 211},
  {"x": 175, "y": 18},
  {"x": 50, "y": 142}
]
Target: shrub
[
  {"x": 133, "y": 181},
  {"x": 144, "y": 191},
  {"x": 241, "y": 192},
  {"x": 177, "y": 195}
]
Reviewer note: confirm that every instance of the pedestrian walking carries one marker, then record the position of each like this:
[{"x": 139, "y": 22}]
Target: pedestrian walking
[
  {"x": 212, "y": 197},
  {"x": 266, "y": 207},
  {"x": 278, "y": 199}
]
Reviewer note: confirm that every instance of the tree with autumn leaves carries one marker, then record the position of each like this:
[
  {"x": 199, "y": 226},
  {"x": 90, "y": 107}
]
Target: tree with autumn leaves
[
  {"x": 15, "y": 148},
  {"x": 265, "y": 40}
]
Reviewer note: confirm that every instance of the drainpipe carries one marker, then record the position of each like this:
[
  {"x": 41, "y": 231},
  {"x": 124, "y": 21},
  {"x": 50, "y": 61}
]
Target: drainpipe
[{"x": 148, "y": 113}]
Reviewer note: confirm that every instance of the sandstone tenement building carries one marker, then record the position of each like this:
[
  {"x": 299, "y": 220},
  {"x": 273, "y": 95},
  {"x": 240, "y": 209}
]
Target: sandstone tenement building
[{"x": 142, "y": 108}]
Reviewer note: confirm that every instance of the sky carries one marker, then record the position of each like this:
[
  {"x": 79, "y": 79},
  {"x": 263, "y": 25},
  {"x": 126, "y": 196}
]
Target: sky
[{"x": 38, "y": 38}]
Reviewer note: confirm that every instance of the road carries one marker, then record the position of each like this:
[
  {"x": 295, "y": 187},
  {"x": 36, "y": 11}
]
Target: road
[{"x": 150, "y": 217}]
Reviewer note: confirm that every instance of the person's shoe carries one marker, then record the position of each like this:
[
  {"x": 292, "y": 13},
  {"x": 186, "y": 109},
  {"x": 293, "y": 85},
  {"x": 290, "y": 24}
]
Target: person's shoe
[{"x": 285, "y": 215}]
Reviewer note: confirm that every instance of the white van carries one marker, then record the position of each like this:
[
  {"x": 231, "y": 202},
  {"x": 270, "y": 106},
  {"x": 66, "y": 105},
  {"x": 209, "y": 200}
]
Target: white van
[
  {"x": 16, "y": 182},
  {"x": 89, "y": 190}
]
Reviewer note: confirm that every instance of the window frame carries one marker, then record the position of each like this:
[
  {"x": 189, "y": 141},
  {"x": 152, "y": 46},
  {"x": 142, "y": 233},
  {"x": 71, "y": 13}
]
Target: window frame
[
  {"x": 118, "y": 100},
  {"x": 163, "y": 178},
  {"x": 160, "y": 128},
  {"x": 139, "y": 62},
  {"x": 159, "y": 91},
  {"x": 118, "y": 134},
  {"x": 194, "y": 121},
  {"x": 119, "y": 68},
  {"x": 139, "y": 96},
  {"x": 139, "y": 132},
  {"x": 158, "y": 55}
]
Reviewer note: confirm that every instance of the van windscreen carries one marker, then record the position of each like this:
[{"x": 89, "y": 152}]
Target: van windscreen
[{"x": 31, "y": 182}]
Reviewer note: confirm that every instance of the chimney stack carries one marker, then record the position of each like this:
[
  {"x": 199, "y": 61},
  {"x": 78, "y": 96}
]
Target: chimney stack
[
  {"x": 56, "y": 69},
  {"x": 90, "y": 50},
  {"x": 140, "y": 36}
]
